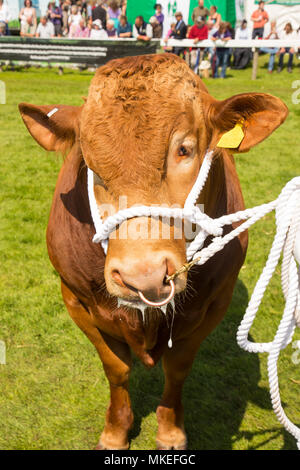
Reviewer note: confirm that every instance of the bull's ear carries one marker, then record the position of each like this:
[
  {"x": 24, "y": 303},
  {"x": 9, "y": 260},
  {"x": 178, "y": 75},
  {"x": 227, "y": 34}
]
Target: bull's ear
[
  {"x": 54, "y": 127},
  {"x": 242, "y": 121}
]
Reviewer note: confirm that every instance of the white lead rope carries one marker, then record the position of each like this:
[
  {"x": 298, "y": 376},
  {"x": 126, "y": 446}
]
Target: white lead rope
[{"x": 287, "y": 241}]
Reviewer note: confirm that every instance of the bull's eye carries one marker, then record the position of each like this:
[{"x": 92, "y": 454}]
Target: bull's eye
[{"x": 183, "y": 151}]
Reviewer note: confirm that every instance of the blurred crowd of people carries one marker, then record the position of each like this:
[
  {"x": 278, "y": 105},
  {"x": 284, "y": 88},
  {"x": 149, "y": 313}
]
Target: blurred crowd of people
[
  {"x": 104, "y": 19},
  {"x": 84, "y": 19},
  {"x": 76, "y": 19},
  {"x": 208, "y": 24}
]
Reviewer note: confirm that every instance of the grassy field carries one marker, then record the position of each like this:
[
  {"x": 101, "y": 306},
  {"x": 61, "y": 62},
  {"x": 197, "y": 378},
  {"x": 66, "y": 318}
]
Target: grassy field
[{"x": 53, "y": 392}]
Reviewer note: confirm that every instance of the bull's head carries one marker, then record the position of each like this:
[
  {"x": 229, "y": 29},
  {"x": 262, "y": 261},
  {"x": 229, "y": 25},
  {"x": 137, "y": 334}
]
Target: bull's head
[{"x": 144, "y": 130}]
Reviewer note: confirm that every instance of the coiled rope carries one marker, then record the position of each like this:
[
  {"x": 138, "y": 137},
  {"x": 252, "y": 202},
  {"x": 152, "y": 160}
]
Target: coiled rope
[{"x": 286, "y": 242}]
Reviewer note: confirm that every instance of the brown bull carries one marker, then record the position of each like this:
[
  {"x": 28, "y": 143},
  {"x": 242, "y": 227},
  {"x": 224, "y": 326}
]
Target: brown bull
[{"x": 144, "y": 130}]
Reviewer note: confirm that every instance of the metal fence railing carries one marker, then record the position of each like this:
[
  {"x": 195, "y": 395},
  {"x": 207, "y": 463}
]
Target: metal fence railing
[
  {"x": 95, "y": 53},
  {"x": 255, "y": 45}
]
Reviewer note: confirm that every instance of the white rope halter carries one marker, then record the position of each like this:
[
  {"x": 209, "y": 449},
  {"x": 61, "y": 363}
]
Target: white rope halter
[
  {"x": 287, "y": 240},
  {"x": 190, "y": 212}
]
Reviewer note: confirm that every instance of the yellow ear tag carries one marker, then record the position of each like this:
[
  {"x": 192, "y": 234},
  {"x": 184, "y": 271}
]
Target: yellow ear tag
[{"x": 232, "y": 138}]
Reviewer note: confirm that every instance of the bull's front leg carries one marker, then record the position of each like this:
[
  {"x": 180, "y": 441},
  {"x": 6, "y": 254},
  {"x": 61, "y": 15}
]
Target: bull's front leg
[
  {"x": 170, "y": 417},
  {"x": 116, "y": 361},
  {"x": 177, "y": 363},
  {"x": 119, "y": 416}
]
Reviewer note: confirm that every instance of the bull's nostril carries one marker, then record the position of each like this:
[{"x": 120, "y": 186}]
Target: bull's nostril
[{"x": 116, "y": 276}]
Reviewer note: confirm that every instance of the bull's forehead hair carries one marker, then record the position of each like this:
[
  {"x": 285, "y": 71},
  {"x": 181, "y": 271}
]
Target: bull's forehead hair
[
  {"x": 136, "y": 91},
  {"x": 142, "y": 77},
  {"x": 133, "y": 107}
]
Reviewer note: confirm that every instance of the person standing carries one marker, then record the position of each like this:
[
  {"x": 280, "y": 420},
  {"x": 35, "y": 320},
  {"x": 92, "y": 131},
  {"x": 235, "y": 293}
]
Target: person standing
[
  {"x": 180, "y": 27},
  {"x": 99, "y": 13},
  {"x": 214, "y": 17},
  {"x": 200, "y": 10},
  {"x": 222, "y": 53},
  {"x": 75, "y": 16},
  {"x": 180, "y": 32},
  {"x": 271, "y": 50},
  {"x": 123, "y": 6},
  {"x": 4, "y": 16},
  {"x": 55, "y": 15},
  {"x": 74, "y": 20},
  {"x": 28, "y": 20},
  {"x": 198, "y": 32},
  {"x": 242, "y": 55},
  {"x": 66, "y": 10},
  {"x": 158, "y": 13},
  {"x": 259, "y": 17},
  {"x": 114, "y": 12},
  {"x": 170, "y": 35},
  {"x": 156, "y": 27}
]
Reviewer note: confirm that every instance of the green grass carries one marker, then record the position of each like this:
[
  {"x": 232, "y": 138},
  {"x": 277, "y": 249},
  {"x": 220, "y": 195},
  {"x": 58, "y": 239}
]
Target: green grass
[{"x": 53, "y": 392}]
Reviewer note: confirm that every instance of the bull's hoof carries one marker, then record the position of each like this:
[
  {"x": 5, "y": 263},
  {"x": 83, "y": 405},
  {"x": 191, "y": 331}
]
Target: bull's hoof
[
  {"x": 102, "y": 446},
  {"x": 99, "y": 446},
  {"x": 161, "y": 446}
]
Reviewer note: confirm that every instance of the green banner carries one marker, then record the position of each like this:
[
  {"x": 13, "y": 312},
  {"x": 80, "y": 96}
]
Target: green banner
[
  {"x": 226, "y": 8},
  {"x": 135, "y": 9},
  {"x": 145, "y": 8}
]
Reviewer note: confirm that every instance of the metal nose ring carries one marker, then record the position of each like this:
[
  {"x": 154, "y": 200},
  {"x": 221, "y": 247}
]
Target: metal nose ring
[{"x": 163, "y": 302}]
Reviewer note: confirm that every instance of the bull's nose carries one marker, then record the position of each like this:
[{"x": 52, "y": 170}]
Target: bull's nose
[{"x": 145, "y": 278}]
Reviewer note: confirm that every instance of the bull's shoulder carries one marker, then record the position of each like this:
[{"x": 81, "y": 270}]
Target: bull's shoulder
[{"x": 70, "y": 230}]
